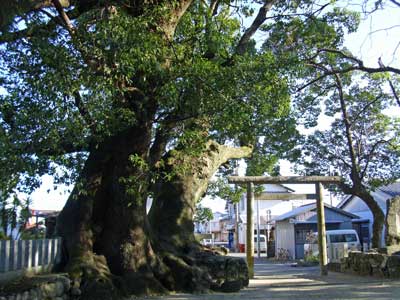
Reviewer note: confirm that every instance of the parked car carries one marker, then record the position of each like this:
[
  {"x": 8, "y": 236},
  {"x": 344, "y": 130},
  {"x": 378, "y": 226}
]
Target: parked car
[
  {"x": 207, "y": 242},
  {"x": 338, "y": 244},
  {"x": 263, "y": 243}
]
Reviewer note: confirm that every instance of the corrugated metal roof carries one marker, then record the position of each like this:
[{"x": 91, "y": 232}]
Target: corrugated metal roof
[
  {"x": 308, "y": 207},
  {"x": 391, "y": 189},
  {"x": 297, "y": 211}
]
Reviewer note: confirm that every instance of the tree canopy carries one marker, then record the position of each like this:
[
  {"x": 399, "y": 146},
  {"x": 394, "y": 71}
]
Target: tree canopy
[{"x": 130, "y": 99}]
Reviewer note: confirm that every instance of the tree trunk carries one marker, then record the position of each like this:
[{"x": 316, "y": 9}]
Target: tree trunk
[
  {"x": 171, "y": 215},
  {"x": 104, "y": 225},
  {"x": 379, "y": 217}
]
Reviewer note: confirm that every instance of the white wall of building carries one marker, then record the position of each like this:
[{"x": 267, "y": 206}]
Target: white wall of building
[
  {"x": 285, "y": 237},
  {"x": 358, "y": 207}
]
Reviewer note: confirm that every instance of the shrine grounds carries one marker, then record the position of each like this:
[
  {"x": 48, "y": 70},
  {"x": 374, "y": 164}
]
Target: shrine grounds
[{"x": 283, "y": 281}]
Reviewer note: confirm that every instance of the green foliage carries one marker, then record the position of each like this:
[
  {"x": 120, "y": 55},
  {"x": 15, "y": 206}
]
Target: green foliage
[
  {"x": 311, "y": 258},
  {"x": 3, "y": 236},
  {"x": 14, "y": 213},
  {"x": 202, "y": 214},
  {"x": 221, "y": 188},
  {"x": 67, "y": 94},
  {"x": 375, "y": 138},
  {"x": 33, "y": 234}
]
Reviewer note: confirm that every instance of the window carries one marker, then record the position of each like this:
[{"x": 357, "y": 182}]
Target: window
[
  {"x": 301, "y": 236},
  {"x": 350, "y": 238},
  {"x": 262, "y": 239},
  {"x": 337, "y": 238}
]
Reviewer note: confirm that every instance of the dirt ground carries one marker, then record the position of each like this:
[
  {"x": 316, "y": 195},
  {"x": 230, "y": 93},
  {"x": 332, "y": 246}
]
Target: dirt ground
[{"x": 282, "y": 281}]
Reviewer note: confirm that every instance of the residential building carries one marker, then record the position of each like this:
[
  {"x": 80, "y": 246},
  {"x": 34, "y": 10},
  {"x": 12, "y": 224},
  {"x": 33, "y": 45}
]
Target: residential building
[
  {"x": 358, "y": 207},
  {"x": 267, "y": 211},
  {"x": 291, "y": 228},
  {"x": 217, "y": 227}
]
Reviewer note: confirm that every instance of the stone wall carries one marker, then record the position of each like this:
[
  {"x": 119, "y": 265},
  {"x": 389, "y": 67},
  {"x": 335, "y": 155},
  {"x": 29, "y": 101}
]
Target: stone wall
[
  {"x": 49, "y": 287},
  {"x": 393, "y": 225},
  {"x": 370, "y": 264}
]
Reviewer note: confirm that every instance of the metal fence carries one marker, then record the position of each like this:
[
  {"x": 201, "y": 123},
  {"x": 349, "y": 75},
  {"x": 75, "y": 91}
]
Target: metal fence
[{"x": 28, "y": 254}]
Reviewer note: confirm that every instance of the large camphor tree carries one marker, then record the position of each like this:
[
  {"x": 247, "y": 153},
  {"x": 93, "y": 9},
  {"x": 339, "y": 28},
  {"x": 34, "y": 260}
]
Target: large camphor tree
[{"x": 137, "y": 100}]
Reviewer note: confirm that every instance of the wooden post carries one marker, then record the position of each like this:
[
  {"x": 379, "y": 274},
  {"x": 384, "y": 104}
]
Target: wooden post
[
  {"x": 237, "y": 227},
  {"x": 258, "y": 231},
  {"x": 323, "y": 259},
  {"x": 250, "y": 229}
]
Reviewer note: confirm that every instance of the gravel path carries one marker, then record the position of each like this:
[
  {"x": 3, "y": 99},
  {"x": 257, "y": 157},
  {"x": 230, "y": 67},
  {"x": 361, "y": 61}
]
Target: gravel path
[{"x": 282, "y": 281}]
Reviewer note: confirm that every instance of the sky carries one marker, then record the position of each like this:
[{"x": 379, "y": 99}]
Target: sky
[{"x": 378, "y": 36}]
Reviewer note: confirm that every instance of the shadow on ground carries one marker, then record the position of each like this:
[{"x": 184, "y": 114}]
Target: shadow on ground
[{"x": 282, "y": 281}]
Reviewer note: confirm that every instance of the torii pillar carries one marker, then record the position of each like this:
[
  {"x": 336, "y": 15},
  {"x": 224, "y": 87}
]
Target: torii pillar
[{"x": 317, "y": 180}]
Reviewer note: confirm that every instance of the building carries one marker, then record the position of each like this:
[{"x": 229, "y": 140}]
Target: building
[
  {"x": 267, "y": 211},
  {"x": 292, "y": 227},
  {"x": 217, "y": 227},
  {"x": 358, "y": 207}
]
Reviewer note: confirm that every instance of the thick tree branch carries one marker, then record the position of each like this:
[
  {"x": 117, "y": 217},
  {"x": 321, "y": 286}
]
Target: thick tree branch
[
  {"x": 214, "y": 7},
  {"x": 355, "y": 172},
  {"x": 177, "y": 11},
  {"x": 258, "y": 21},
  {"x": 395, "y": 2},
  {"x": 13, "y": 8},
  {"x": 84, "y": 112},
  {"x": 64, "y": 16},
  {"x": 395, "y": 95},
  {"x": 359, "y": 64}
]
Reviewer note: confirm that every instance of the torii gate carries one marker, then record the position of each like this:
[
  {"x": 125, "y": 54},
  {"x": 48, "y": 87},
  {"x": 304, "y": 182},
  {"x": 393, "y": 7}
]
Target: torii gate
[{"x": 317, "y": 180}]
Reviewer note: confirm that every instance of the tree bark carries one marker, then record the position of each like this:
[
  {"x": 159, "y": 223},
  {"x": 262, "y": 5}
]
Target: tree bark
[
  {"x": 171, "y": 215},
  {"x": 379, "y": 217},
  {"x": 104, "y": 225}
]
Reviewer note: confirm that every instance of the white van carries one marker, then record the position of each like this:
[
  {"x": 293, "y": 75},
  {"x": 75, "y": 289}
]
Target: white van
[
  {"x": 338, "y": 244},
  {"x": 342, "y": 236},
  {"x": 263, "y": 243}
]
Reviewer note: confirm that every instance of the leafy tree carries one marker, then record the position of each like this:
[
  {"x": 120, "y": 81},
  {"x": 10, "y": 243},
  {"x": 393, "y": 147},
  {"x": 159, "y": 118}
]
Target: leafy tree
[
  {"x": 202, "y": 214},
  {"x": 362, "y": 144},
  {"x": 324, "y": 65},
  {"x": 136, "y": 99},
  {"x": 14, "y": 214}
]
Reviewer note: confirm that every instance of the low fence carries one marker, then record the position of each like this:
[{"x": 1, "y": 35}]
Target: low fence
[{"x": 28, "y": 255}]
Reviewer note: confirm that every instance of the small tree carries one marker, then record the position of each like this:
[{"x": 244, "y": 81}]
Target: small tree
[{"x": 202, "y": 214}]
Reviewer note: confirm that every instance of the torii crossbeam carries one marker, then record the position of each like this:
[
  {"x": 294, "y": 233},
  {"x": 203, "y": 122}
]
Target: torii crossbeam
[{"x": 317, "y": 180}]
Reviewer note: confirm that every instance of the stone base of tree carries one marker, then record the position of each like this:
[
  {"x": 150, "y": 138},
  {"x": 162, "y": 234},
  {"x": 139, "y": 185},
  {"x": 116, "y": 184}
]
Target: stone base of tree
[
  {"x": 49, "y": 287},
  {"x": 229, "y": 274},
  {"x": 369, "y": 264}
]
